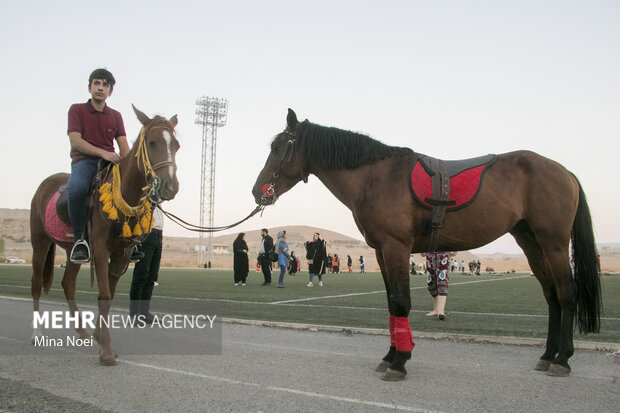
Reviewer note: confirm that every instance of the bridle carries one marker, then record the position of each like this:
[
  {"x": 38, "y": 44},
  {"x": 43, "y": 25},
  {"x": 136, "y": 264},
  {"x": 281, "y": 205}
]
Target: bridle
[
  {"x": 149, "y": 170},
  {"x": 269, "y": 190}
]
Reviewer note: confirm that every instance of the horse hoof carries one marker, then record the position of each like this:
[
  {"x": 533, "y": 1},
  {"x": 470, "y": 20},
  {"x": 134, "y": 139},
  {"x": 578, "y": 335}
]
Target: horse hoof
[
  {"x": 542, "y": 365},
  {"x": 557, "y": 370},
  {"x": 393, "y": 375},
  {"x": 108, "y": 360},
  {"x": 383, "y": 366}
]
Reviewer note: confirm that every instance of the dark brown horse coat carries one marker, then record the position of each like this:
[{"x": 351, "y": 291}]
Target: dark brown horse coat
[{"x": 533, "y": 198}]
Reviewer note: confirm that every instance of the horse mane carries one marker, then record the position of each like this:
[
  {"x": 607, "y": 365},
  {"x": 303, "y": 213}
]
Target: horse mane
[{"x": 332, "y": 148}]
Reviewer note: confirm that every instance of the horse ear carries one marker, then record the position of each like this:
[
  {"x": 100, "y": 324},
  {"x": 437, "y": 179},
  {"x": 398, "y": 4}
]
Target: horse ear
[
  {"x": 173, "y": 121},
  {"x": 141, "y": 116},
  {"x": 291, "y": 120}
]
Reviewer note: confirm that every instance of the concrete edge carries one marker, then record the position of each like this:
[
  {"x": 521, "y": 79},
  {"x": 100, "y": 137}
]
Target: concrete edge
[{"x": 505, "y": 340}]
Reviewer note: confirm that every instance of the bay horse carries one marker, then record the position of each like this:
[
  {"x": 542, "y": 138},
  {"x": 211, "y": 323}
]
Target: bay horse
[
  {"x": 538, "y": 201},
  {"x": 149, "y": 166}
]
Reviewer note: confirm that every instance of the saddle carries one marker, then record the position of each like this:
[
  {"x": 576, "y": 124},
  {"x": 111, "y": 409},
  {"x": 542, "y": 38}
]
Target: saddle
[
  {"x": 60, "y": 226},
  {"x": 444, "y": 186}
]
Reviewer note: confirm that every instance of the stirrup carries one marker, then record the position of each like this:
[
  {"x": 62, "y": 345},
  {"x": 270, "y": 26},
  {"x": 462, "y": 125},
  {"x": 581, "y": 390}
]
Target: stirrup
[
  {"x": 136, "y": 255},
  {"x": 81, "y": 260}
]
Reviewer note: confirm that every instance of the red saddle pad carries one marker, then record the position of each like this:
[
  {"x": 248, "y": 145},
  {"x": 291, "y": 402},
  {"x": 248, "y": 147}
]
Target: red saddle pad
[
  {"x": 464, "y": 186},
  {"x": 57, "y": 229}
]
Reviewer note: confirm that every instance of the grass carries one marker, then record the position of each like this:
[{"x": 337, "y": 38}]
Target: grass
[{"x": 500, "y": 305}]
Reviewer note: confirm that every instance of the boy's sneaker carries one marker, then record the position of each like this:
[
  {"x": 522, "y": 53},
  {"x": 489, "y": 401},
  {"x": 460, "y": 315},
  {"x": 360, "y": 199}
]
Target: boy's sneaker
[
  {"x": 80, "y": 253},
  {"x": 309, "y": 285},
  {"x": 320, "y": 283}
]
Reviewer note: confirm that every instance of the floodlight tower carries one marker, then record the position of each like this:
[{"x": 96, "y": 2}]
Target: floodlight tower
[{"x": 211, "y": 115}]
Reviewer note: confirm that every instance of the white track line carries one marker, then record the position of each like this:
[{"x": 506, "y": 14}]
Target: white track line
[
  {"x": 294, "y": 303},
  {"x": 280, "y": 389},
  {"x": 383, "y": 291}
]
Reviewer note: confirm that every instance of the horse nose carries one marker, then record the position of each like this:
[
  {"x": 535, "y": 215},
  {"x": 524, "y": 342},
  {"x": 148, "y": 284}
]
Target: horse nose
[{"x": 169, "y": 189}]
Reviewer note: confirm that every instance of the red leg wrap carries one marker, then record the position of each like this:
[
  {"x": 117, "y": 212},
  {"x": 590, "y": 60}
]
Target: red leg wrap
[
  {"x": 392, "y": 333},
  {"x": 403, "y": 335}
]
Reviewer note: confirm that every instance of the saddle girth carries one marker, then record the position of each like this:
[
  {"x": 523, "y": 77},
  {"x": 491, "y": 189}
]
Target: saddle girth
[
  {"x": 440, "y": 201},
  {"x": 444, "y": 186}
]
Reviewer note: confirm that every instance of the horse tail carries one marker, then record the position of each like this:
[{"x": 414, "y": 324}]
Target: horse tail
[
  {"x": 48, "y": 268},
  {"x": 586, "y": 268}
]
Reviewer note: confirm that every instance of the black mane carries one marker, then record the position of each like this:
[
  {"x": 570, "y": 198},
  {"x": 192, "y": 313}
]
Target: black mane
[{"x": 332, "y": 148}]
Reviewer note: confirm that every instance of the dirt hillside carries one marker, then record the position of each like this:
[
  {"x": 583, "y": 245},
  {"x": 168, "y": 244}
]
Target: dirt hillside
[{"x": 183, "y": 252}]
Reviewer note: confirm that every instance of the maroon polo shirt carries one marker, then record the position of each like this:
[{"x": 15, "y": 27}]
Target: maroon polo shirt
[{"x": 97, "y": 128}]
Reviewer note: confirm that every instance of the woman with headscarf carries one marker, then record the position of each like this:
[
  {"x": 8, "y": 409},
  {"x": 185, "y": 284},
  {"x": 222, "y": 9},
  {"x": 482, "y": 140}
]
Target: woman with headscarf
[
  {"x": 281, "y": 248},
  {"x": 240, "y": 261},
  {"x": 292, "y": 264},
  {"x": 316, "y": 255}
]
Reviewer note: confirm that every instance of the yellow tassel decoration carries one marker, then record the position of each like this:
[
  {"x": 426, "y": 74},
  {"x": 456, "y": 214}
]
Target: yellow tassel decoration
[
  {"x": 137, "y": 230},
  {"x": 113, "y": 214},
  {"x": 126, "y": 230},
  {"x": 105, "y": 188},
  {"x": 146, "y": 222},
  {"x": 107, "y": 207}
]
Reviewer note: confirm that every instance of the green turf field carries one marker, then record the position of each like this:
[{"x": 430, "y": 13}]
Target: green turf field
[{"x": 505, "y": 305}]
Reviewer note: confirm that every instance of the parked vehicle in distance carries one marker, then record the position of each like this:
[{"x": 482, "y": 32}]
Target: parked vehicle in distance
[{"x": 15, "y": 260}]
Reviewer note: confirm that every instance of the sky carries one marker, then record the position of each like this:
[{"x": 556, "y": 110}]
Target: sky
[{"x": 448, "y": 78}]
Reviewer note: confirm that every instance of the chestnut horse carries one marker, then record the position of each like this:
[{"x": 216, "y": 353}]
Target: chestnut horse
[
  {"x": 149, "y": 166},
  {"x": 536, "y": 200}
]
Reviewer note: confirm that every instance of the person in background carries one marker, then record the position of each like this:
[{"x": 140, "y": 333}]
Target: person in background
[
  {"x": 263, "y": 255},
  {"x": 438, "y": 268},
  {"x": 362, "y": 265},
  {"x": 412, "y": 265},
  {"x": 316, "y": 255},
  {"x": 349, "y": 263},
  {"x": 146, "y": 271},
  {"x": 283, "y": 256},
  {"x": 328, "y": 263},
  {"x": 292, "y": 264},
  {"x": 241, "y": 263},
  {"x": 336, "y": 264}
]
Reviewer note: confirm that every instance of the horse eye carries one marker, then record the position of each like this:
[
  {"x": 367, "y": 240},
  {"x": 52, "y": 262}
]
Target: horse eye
[{"x": 152, "y": 144}]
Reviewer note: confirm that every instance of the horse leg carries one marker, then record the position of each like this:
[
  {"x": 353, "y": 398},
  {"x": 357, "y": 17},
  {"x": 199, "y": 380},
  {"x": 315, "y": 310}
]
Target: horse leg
[
  {"x": 118, "y": 267},
  {"x": 107, "y": 357},
  {"x": 69, "y": 285},
  {"x": 42, "y": 275},
  {"x": 388, "y": 359},
  {"x": 396, "y": 262},
  {"x": 536, "y": 259},
  {"x": 566, "y": 296}
]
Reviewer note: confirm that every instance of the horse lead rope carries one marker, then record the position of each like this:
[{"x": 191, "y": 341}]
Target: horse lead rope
[{"x": 197, "y": 228}]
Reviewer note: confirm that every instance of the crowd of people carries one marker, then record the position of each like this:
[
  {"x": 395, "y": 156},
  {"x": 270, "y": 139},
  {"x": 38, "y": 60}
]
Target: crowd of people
[{"x": 270, "y": 254}]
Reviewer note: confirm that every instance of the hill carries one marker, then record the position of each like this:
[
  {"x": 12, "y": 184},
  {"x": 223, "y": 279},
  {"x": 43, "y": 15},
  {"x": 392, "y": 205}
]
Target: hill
[{"x": 182, "y": 252}]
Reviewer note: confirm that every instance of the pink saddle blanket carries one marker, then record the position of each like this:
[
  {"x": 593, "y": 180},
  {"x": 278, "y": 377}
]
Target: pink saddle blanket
[{"x": 57, "y": 229}]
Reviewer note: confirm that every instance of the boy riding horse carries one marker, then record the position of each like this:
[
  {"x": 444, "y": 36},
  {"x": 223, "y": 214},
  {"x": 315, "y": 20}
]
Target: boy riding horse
[{"x": 93, "y": 127}]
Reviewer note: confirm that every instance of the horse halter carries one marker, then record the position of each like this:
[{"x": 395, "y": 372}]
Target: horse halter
[{"x": 269, "y": 190}]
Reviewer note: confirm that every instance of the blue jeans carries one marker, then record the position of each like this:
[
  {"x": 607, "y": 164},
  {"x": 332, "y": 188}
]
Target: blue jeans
[
  {"x": 282, "y": 272},
  {"x": 82, "y": 172},
  {"x": 311, "y": 276}
]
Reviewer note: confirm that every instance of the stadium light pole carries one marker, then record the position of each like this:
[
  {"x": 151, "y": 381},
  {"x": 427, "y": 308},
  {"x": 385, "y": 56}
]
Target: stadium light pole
[{"x": 211, "y": 114}]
